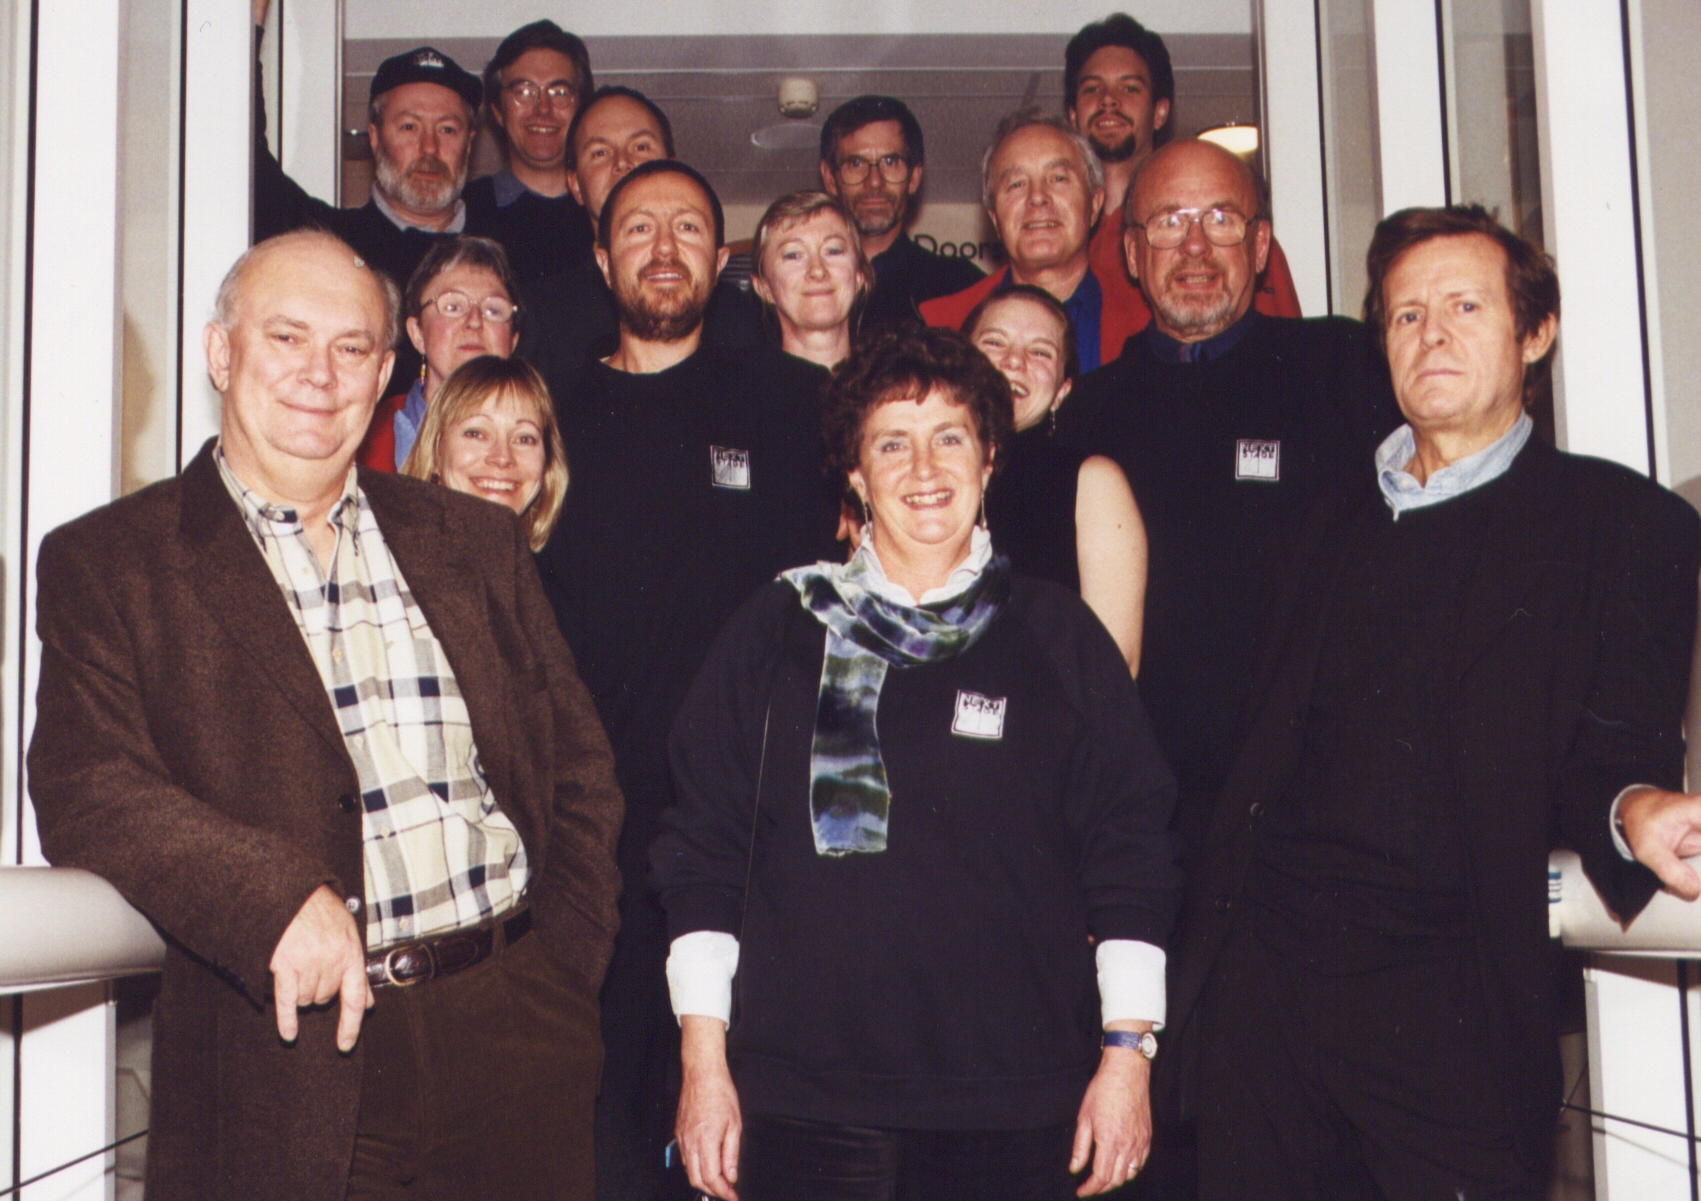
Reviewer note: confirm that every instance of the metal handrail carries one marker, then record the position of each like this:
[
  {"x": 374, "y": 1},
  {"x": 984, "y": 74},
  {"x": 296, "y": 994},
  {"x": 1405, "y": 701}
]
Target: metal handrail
[
  {"x": 1668, "y": 927},
  {"x": 63, "y": 925}
]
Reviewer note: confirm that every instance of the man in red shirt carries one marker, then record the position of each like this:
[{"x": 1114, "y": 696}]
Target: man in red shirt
[{"x": 1044, "y": 191}]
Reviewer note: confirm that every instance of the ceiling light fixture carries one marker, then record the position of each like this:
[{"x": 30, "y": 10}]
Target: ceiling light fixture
[{"x": 1237, "y": 137}]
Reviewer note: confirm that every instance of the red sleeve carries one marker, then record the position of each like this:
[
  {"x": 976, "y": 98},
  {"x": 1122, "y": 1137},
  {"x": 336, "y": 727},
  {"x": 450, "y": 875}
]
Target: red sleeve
[
  {"x": 378, "y": 449},
  {"x": 1276, "y": 295}
]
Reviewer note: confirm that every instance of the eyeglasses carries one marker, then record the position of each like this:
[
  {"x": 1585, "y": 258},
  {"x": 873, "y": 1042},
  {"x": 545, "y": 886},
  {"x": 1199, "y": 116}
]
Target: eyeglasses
[
  {"x": 527, "y": 92},
  {"x": 894, "y": 168},
  {"x": 456, "y": 305},
  {"x": 1221, "y": 227}
]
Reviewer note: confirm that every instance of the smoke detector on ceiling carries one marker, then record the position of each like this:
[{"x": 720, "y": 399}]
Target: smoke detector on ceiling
[{"x": 799, "y": 97}]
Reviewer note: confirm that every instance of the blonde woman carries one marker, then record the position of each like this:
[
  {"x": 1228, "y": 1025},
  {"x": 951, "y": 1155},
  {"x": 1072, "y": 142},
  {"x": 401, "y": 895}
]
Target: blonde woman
[
  {"x": 811, "y": 271},
  {"x": 491, "y": 432}
]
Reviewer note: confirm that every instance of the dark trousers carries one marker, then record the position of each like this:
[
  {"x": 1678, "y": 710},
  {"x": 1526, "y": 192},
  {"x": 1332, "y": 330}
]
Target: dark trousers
[
  {"x": 479, "y": 1084},
  {"x": 789, "y": 1160},
  {"x": 640, "y": 1083},
  {"x": 1363, "y": 1081}
]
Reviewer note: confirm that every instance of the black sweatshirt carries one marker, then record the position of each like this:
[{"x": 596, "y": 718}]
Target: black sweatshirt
[
  {"x": 1225, "y": 457},
  {"x": 947, "y": 982},
  {"x": 652, "y": 555}
]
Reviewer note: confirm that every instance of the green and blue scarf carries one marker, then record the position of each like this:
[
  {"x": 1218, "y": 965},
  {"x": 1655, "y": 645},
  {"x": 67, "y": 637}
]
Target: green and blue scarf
[{"x": 850, "y": 800}]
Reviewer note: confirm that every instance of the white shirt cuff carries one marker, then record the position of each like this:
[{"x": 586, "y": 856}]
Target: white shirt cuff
[
  {"x": 1612, "y": 819},
  {"x": 1131, "y": 981},
  {"x": 700, "y": 968}
]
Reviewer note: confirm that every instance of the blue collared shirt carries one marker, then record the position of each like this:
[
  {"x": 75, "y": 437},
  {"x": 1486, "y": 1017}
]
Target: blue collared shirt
[
  {"x": 1401, "y": 489},
  {"x": 408, "y": 420},
  {"x": 1086, "y": 310},
  {"x": 1167, "y": 350}
]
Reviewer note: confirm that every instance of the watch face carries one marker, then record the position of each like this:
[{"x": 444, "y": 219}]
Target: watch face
[{"x": 1149, "y": 1045}]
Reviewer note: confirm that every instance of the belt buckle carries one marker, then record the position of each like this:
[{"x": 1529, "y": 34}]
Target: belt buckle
[{"x": 396, "y": 981}]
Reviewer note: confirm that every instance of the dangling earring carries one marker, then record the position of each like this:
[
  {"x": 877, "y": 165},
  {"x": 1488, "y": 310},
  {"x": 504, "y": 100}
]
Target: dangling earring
[
  {"x": 1051, "y": 422},
  {"x": 983, "y": 508},
  {"x": 422, "y": 371}
]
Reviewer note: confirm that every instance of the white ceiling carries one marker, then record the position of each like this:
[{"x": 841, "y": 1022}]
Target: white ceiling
[
  {"x": 718, "y": 90},
  {"x": 363, "y": 19}
]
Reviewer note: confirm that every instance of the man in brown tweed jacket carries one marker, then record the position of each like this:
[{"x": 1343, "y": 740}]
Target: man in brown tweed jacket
[{"x": 319, "y": 726}]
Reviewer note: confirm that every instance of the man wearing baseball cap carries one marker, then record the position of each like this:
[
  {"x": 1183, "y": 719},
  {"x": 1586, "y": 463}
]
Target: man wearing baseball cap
[{"x": 421, "y": 124}]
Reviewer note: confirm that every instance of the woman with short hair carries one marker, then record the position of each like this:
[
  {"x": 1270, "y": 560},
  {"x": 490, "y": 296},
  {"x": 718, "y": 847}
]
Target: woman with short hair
[
  {"x": 462, "y": 301},
  {"x": 918, "y": 878},
  {"x": 811, "y": 272}
]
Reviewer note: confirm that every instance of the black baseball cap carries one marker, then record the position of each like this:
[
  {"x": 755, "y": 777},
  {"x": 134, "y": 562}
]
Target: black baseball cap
[{"x": 427, "y": 64}]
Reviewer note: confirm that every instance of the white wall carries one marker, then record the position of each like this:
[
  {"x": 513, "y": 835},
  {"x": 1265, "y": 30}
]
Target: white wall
[
  {"x": 1671, "y": 182},
  {"x": 1664, "y": 69},
  {"x": 149, "y": 265},
  {"x": 14, "y": 105}
]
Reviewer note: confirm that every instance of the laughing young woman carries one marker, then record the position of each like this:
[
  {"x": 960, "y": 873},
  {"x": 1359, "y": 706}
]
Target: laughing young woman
[{"x": 1059, "y": 514}]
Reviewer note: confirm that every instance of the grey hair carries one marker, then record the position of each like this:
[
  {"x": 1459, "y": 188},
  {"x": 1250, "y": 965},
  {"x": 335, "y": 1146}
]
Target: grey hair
[
  {"x": 1021, "y": 119},
  {"x": 229, "y": 296}
]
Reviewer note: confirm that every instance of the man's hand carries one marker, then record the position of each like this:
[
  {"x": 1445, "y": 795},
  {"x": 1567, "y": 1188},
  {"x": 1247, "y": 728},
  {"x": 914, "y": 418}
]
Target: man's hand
[
  {"x": 1663, "y": 829},
  {"x": 1114, "y": 1126},
  {"x": 709, "y": 1126},
  {"x": 321, "y": 956}
]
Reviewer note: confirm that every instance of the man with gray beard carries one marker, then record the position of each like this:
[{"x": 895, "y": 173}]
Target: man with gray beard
[
  {"x": 697, "y": 477},
  {"x": 1228, "y": 423},
  {"x": 420, "y": 126}
]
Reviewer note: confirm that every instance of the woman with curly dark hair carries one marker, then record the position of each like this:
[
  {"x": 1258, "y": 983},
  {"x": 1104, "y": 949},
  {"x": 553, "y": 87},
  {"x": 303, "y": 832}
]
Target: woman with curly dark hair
[{"x": 918, "y": 879}]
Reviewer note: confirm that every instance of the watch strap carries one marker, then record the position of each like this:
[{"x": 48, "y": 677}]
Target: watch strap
[{"x": 1145, "y": 1042}]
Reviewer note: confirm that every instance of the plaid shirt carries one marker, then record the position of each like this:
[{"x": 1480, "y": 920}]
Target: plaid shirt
[{"x": 439, "y": 854}]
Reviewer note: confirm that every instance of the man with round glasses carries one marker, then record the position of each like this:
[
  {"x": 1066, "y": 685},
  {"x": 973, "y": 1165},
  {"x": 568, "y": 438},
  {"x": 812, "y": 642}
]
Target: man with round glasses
[
  {"x": 533, "y": 85},
  {"x": 1227, "y": 422},
  {"x": 871, "y": 158}
]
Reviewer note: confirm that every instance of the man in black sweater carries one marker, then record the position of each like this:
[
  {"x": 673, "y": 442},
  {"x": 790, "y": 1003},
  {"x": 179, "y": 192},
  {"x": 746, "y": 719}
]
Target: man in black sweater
[
  {"x": 572, "y": 313},
  {"x": 872, "y": 157},
  {"x": 533, "y": 84},
  {"x": 1482, "y": 651},
  {"x": 694, "y": 483},
  {"x": 1227, "y": 423}
]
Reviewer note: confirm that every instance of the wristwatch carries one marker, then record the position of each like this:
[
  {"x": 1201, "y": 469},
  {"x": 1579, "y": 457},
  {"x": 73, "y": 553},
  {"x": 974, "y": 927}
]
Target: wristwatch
[{"x": 1144, "y": 1042}]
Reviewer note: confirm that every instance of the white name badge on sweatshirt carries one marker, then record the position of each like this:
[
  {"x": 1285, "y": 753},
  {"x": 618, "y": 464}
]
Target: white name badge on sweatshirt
[
  {"x": 1257, "y": 459},
  {"x": 730, "y": 468},
  {"x": 979, "y": 716}
]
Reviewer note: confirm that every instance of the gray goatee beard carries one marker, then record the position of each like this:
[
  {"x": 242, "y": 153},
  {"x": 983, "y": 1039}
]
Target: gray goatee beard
[
  {"x": 1209, "y": 315},
  {"x": 423, "y": 193}
]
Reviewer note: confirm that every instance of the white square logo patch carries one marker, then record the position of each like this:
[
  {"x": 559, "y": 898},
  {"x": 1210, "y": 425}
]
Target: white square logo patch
[
  {"x": 1257, "y": 459},
  {"x": 979, "y": 716},
  {"x": 730, "y": 468}
]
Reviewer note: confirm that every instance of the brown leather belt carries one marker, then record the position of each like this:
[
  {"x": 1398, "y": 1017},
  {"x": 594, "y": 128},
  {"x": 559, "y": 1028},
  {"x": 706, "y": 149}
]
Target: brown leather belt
[{"x": 411, "y": 963}]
